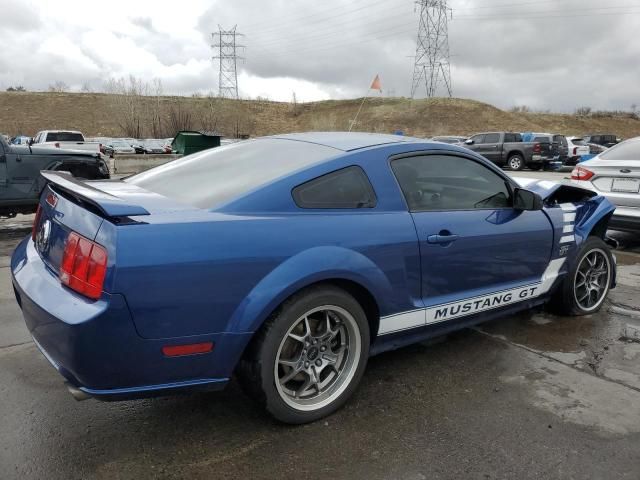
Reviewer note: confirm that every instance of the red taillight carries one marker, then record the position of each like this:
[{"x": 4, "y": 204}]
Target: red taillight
[
  {"x": 190, "y": 349},
  {"x": 84, "y": 265},
  {"x": 581, "y": 173},
  {"x": 537, "y": 148},
  {"x": 575, "y": 151},
  {"x": 36, "y": 223}
]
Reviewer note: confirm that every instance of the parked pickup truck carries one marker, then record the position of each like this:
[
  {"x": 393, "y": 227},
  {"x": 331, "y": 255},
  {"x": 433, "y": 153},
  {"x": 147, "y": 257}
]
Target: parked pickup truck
[
  {"x": 20, "y": 179},
  {"x": 508, "y": 149},
  {"x": 69, "y": 139}
]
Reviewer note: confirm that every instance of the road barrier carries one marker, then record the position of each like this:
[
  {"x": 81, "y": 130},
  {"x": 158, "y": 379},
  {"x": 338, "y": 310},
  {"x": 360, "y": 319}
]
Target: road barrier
[{"x": 130, "y": 164}]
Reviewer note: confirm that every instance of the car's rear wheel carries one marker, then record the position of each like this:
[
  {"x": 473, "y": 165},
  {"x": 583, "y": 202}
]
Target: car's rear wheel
[
  {"x": 516, "y": 162},
  {"x": 309, "y": 357},
  {"x": 585, "y": 287}
]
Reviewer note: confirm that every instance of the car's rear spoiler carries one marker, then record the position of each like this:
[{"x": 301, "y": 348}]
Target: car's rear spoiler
[{"x": 107, "y": 204}]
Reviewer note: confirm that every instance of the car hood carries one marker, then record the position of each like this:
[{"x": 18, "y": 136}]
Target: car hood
[{"x": 544, "y": 188}]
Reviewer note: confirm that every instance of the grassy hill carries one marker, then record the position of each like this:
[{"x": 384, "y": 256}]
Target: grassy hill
[{"x": 116, "y": 115}]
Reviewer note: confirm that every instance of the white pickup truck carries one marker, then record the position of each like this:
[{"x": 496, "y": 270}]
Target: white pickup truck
[{"x": 66, "y": 139}]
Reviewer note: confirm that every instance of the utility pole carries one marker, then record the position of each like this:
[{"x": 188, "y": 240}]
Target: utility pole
[
  {"x": 431, "y": 62},
  {"x": 225, "y": 50}
]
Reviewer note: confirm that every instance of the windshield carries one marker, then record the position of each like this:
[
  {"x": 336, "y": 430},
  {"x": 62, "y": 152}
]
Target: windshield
[
  {"x": 64, "y": 137},
  {"x": 623, "y": 151},
  {"x": 215, "y": 176}
]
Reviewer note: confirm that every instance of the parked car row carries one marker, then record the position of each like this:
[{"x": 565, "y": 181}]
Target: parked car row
[
  {"x": 534, "y": 150},
  {"x": 75, "y": 140}
]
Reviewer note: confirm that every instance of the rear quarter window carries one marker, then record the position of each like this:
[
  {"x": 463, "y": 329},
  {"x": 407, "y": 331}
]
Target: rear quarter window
[{"x": 345, "y": 188}]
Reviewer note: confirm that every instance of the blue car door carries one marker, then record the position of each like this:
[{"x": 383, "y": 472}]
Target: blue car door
[{"x": 477, "y": 252}]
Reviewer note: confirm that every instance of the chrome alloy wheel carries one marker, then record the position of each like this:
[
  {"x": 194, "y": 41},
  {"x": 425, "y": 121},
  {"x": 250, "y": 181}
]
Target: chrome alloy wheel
[
  {"x": 592, "y": 279},
  {"x": 515, "y": 163},
  {"x": 317, "y": 358}
]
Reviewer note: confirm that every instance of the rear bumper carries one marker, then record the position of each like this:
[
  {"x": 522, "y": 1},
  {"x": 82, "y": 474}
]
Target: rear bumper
[{"x": 96, "y": 348}]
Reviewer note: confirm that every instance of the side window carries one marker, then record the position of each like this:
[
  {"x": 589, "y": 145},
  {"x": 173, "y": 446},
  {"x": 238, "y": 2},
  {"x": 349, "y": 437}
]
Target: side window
[
  {"x": 445, "y": 182},
  {"x": 509, "y": 138},
  {"x": 492, "y": 138},
  {"x": 478, "y": 139},
  {"x": 345, "y": 188}
]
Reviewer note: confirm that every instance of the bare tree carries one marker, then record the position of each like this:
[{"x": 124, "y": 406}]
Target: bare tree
[
  {"x": 583, "y": 111},
  {"x": 156, "y": 113},
  {"x": 178, "y": 119},
  {"x": 58, "y": 86},
  {"x": 209, "y": 121},
  {"x": 86, "y": 87}
]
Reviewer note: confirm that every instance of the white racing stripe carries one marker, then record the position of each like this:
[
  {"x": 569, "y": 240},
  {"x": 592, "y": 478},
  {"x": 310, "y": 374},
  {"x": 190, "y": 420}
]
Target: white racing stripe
[
  {"x": 568, "y": 207},
  {"x": 567, "y": 228},
  {"x": 470, "y": 306},
  {"x": 568, "y": 239},
  {"x": 569, "y": 217}
]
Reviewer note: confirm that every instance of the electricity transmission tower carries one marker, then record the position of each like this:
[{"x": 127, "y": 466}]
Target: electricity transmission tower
[
  {"x": 225, "y": 50},
  {"x": 431, "y": 64}
]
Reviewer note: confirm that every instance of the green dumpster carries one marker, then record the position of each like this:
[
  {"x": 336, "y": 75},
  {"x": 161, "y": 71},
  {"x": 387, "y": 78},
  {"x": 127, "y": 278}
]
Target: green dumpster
[{"x": 188, "y": 142}]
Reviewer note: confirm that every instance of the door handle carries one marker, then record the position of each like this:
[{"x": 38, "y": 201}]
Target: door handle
[{"x": 443, "y": 238}]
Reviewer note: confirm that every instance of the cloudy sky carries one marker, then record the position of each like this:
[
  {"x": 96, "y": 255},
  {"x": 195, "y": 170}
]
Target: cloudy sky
[{"x": 554, "y": 54}]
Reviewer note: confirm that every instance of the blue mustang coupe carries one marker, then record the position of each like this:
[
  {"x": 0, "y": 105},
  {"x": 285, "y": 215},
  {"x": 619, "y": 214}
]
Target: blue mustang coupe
[{"x": 289, "y": 260}]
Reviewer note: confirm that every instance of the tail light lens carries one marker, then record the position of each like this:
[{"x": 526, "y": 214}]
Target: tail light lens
[
  {"x": 537, "y": 148},
  {"x": 575, "y": 151},
  {"x": 84, "y": 266},
  {"x": 36, "y": 223},
  {"x": 581, "y": 173}
]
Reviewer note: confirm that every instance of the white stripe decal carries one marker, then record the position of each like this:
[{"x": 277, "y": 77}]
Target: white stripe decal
[
  {"x": 568, "y": 239},
  {"x": 402, "y": 321},
  {"x": 569, "y": 217},
  {"x": 568, "y": 207},
  {"x": 567, "y": 229},
  {"x": 470, "y": 306}
]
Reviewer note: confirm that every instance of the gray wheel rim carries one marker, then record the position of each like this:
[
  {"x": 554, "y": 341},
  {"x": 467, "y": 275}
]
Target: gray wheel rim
[
  {"x": 515, "y": 163},
  {"x": 317, "y": 358},
  {"x": 592, "y": 278}
]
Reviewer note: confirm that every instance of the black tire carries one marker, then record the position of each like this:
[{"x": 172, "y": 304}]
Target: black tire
[
  {"x": 516, "y": 162},
  {"x": 259, "y": 366},
  {"x": 566, "y": 299}
]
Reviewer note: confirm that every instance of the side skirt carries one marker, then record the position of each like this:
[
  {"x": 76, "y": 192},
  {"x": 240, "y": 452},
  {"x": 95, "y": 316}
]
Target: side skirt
[{"x": 385, "y": 343}]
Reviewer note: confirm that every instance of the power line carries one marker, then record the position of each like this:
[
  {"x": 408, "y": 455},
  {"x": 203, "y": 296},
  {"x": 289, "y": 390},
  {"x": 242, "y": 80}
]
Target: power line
[
  {"x": 397, "y": 30},
  {"x": 431, "y": 64},
  {"x": 228, "y": 57}
]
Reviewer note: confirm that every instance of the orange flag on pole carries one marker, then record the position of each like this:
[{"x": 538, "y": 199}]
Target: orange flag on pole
[{"x": 376, "y": 84}]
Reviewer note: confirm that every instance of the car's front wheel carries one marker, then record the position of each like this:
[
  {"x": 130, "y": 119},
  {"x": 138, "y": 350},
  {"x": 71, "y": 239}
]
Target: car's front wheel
[
  {"x": 587, "y": 284},
  {"x": 309, "y": 357}
]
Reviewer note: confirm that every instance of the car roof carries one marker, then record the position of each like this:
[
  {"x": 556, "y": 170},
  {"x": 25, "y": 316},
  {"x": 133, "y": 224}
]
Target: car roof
[
  {"x": 347, "y": 141},
  {"x": 61, "y": 131}
]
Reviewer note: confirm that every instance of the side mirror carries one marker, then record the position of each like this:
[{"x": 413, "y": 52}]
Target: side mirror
[
  {"x": 469, "y": 142},
  {"x": 526, "y": 200}
]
